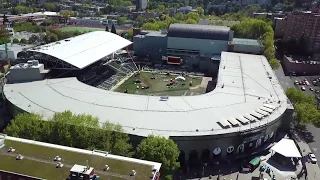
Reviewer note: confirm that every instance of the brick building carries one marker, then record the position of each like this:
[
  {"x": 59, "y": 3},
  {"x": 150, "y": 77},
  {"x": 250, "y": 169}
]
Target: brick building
[{"x": 305, "y": 25}]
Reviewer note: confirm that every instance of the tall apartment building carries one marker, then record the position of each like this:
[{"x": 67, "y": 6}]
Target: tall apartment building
[
  {"x": 305, "y": 25},
  {"x": 141, "y": 5}
]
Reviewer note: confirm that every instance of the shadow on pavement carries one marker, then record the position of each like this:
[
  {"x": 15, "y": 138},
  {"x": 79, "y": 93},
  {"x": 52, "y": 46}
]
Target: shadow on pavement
[
  {"x": 303, "y": 131},
  {"x": 287, "y": 167}
]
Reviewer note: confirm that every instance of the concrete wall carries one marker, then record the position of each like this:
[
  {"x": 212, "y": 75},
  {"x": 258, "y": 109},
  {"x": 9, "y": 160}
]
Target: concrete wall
[
  {"x": 25, "y": 74},
  {"x": 154, "y": 46},
  {"x": 205, "y": 46}
]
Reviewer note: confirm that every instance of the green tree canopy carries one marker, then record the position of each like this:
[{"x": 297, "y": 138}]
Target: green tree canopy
[
  {"x": 122, "y": 20},
  {"x": 307, "y": 113},
  {"x": 200, "y": 11},
  {"x": 75, "y": 130},
  {"x": 24, "y": 41},
  {"x": 274, "y": 63},
  {"x": 15, "y": 40},
  {"x": 297, "y": 96},
  {"x": 193, "y": 15},
  {"x": 191, "y": 21},
  {"x": 159, "y": 149},
  {"x": 49, "y": 6},
  {"x": 4, "y": 36}
]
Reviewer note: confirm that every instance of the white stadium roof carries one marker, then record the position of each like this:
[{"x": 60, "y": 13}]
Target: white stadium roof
[
  {"x": 245, "y": 83},
  {"x": 86, "y": 49}
]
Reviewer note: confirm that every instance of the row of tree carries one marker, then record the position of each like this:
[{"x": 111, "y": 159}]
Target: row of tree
[
  {"x": 165, "y": 21},
  {"x": 305, "y": 107},
  {"x": 85, "y": 131},
  {"x": 258, "y": 29}
]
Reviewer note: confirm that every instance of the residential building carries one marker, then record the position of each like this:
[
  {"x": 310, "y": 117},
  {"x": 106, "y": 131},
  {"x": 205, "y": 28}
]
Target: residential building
[
  {"x": 306, "y": 26},
  {"x": 186, "y": 10},
  {"x": 141, "y": 5},
  {"x": 7, "y": 25},
  {"x": 279, "y": 25}
]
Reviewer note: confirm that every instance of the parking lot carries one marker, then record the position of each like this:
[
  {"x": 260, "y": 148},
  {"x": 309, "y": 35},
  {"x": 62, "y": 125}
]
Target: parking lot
[{"x": 308, "y": 84}]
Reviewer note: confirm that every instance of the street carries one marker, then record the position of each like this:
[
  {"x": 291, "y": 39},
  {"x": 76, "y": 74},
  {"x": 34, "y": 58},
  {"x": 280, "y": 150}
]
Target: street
[{"x": 310, "y": 133}]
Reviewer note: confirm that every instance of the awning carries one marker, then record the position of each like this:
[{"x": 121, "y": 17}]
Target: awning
[
  {"x": 255, "y": 161},
  {"x": 180, "y": 78},
  {"x": 287, "y": 148}
]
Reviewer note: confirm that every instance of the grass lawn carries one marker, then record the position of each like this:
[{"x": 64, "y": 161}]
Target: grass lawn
[
  {"x": 68, "y": 157},
  {"x": 83, "y": 29},
  {"x": 158, "y": 86}
]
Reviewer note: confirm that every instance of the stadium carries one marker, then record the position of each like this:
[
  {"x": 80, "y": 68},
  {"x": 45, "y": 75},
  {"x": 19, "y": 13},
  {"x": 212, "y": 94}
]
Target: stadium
[{"x": 243, "y": 112}]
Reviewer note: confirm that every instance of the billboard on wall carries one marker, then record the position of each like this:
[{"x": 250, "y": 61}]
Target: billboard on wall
[
  {"x": 174, "y": 60},
  {"x": 5, "y": 175}
]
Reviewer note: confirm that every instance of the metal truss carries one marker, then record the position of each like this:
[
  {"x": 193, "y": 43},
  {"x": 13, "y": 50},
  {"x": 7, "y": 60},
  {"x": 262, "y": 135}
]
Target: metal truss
[{"x": 53, "y": 62}]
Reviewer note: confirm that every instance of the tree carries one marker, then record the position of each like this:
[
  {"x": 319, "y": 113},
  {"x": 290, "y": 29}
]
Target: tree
[
  {"x": 66, "y": 14},
  {"x": 274, "y": 63},
  {"x": 307, "y": 113},
  {"x": 107, "y": 28},
  {"x": 200, "y": 11},
  {"x": 24, "y": 41},
  {"x": 34, "y": 39},
  {"x": 15, "y": 40},
  {"x": 297, "y": 96},
  {"x": 113, "y": 29},
  {"x": 53, "y": 38},
  {"x": 159, "y": 149},
  {"x": 75, "y": 130},
  {"x": 49, "y": 6},
  {"x": 194, "y": 16},
  {"x": 140, "y": 19},
  {"x": 4, "y": 36},
  {"x": 191, "y": 21},
  {"x": 26, "y": 125},
  {"x": 122, "y": 20}
]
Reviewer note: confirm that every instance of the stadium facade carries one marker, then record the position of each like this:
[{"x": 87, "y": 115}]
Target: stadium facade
[
  {"x": 197, "y": 46},
  {"x": 241, "y": 115}
]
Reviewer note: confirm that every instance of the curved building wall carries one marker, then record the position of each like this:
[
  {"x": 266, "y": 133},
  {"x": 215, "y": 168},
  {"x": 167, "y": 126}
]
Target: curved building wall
[
  {"x": 196, "y": 31},
  {"x": 201, "y": 144}
]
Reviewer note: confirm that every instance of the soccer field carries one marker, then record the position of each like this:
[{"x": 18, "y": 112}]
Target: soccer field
[
  {"x": 83, "y": 29},
  {"x": 158, "y": 85}
]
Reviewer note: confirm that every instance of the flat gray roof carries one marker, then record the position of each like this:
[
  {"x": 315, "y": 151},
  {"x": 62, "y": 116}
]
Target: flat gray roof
[
  {"x": 251, "y": 42},
  {"x": 245, "y": 83},
  {"x": 85, "y": 49}
]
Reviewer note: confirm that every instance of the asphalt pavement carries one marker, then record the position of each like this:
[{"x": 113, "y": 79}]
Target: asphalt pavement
[{"x": 311, "y": 133}]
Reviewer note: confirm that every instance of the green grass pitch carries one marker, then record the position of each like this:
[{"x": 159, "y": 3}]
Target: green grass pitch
[
  {"x": 83, "y": 29},
  {"x": 157, "y": 86}
]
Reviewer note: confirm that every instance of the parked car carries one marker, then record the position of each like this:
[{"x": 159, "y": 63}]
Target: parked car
[
  {"x": 312, "y": 158},
  {"x": 296, "y": 82},
  {"x": 311, "y": 89},
  {"x": 307, "y": 83},
  {"x": 303, "y": 88}
]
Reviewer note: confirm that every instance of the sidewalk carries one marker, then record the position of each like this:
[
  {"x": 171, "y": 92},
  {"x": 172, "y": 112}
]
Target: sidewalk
[{"x": 312, "y": 169}]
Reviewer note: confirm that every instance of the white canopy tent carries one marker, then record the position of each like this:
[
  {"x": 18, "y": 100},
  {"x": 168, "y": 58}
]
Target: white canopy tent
[
  {"x": 287, "y": 148},
  {"x": 180, "y": 78}
]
